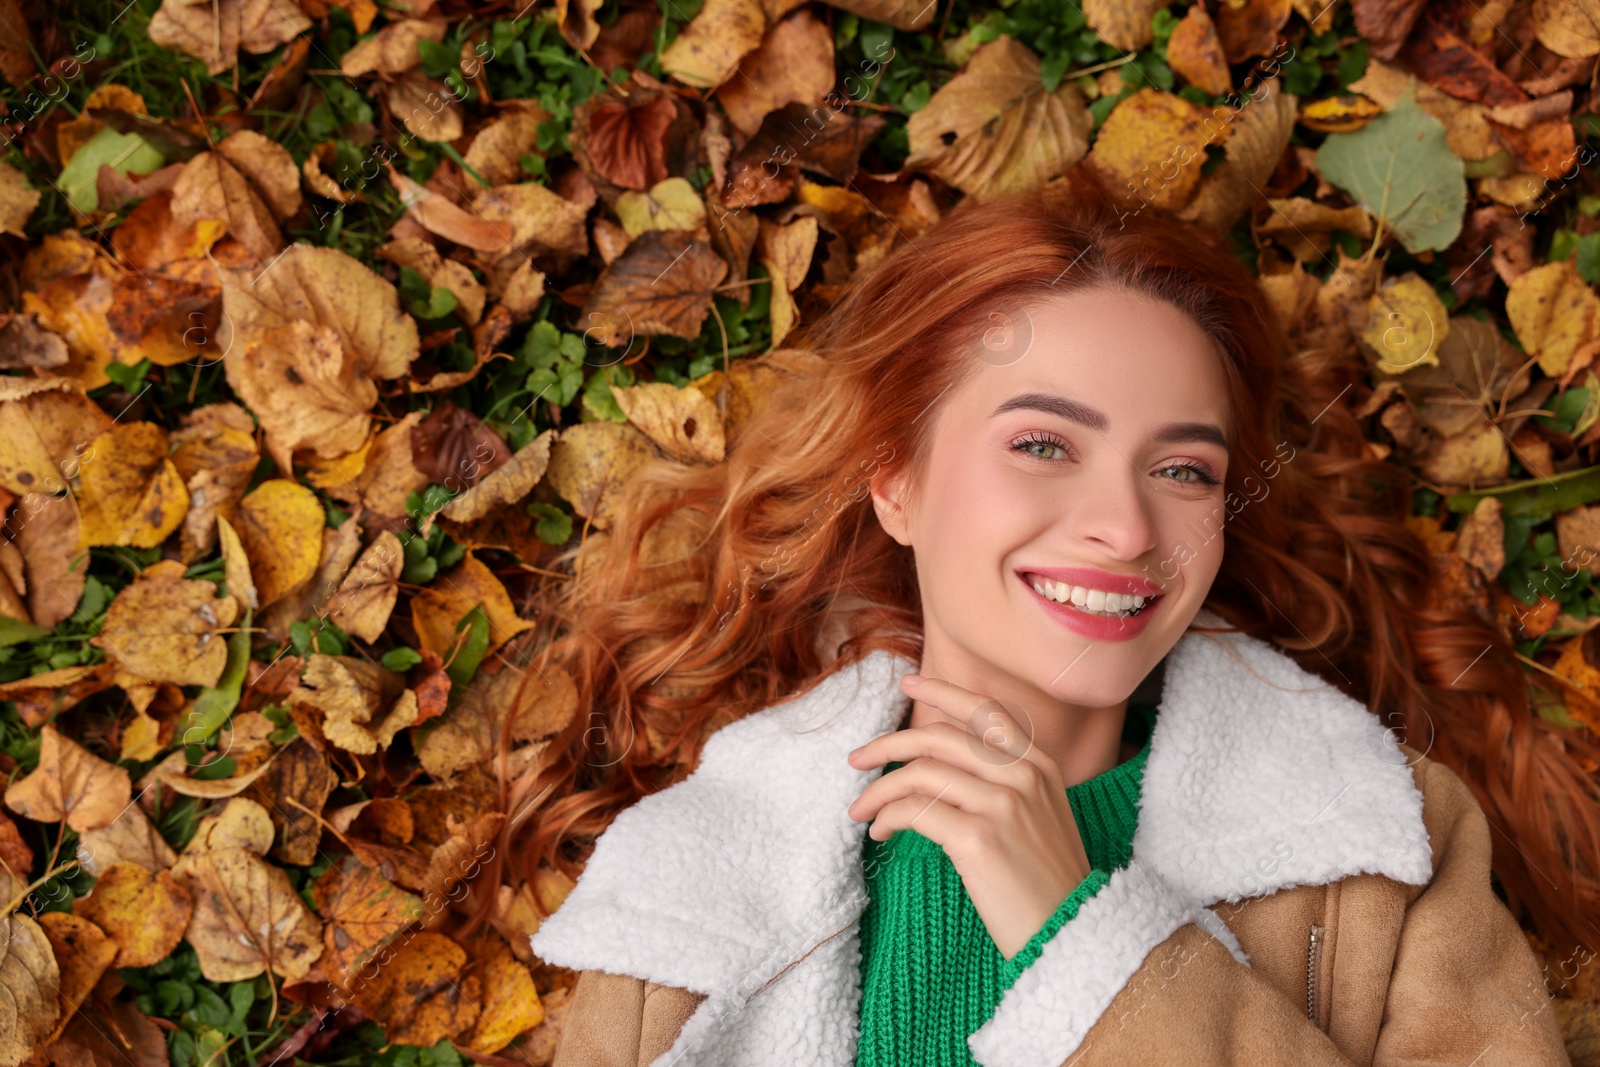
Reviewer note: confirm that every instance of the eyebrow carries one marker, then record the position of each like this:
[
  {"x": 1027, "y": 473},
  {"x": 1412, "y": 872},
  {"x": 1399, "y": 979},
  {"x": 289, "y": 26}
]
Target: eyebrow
[{"x": 1084, "y": 415}]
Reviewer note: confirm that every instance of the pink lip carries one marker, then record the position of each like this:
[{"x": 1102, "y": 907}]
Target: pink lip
[
  {"x": 1096, "y": 627},
  {"x": 1091, "y": 578}
]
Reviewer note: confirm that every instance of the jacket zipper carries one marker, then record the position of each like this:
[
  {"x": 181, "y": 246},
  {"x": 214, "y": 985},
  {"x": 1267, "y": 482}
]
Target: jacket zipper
[{"x": 1313, "y": 957}]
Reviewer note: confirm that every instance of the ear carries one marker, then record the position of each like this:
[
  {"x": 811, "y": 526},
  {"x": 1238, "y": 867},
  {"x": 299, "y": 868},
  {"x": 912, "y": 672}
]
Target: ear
[{"x": 888, "y": 500}]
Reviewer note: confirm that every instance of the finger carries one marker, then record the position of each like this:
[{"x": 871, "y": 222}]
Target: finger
[
  {"x": 939, "y": 822},
  {"x": 931, "y": 778},
  {"x": 995, "y": 727},
  {"x": 954, "y": 744}
]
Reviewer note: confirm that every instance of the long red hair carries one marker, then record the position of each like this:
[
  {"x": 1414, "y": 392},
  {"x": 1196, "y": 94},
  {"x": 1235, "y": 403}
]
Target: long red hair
[{"x": 707, "y": 598}]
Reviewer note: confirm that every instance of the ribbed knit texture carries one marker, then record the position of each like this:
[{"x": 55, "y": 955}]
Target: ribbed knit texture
[{"x": 931, "y": 974}]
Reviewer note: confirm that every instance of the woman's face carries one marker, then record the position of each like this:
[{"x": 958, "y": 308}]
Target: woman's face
[{"x": 1090, "y": 462}]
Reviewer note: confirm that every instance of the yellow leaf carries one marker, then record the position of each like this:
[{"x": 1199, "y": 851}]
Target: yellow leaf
[
  {"x": 280, "y": 524},
  {"x": 509, "y": 1001},
  {"x": 144, "y": 912},
  {"x": 131, "y": 494},
  {"x": 671, "y": 204},
  {"x": 164, "y": 627},
  {"x": 436, "y": 610},
  {"x": 236, "y": 567},
  {"x": 1406, "y": 324},
  {"x": 1553, "y": 311},
  {"x": 684, "y": 422},
  {"x": 1156, "y": 142}
]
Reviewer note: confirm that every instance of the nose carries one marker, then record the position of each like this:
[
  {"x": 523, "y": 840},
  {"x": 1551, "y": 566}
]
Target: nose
[{"x": 1112, "y": 513}]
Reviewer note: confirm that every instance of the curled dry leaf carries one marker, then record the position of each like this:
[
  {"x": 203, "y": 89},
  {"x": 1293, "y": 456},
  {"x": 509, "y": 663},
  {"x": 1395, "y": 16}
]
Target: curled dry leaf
[
  {"x": 590, "y": 462},
  {"x": 393, "y": 49},
  {"x": 671, "y": 204},
  {"x": 427, "y": 107},
  {"x": 438, "y": 215},
  {"x": 215, "y": 453},
  {"x": 242, "y": 823},
  {"x": 1481, "y": 538},
  {"x": 506, "y": 484},
  {"x": 786, "y": 253},
  {"x": 362, "y": 705},
  {"x": 794, "y": 63},
  {"x": 993, "y": 129},
  {"x": 539, "y": 703},
  {"x": 164, "y": 628},
  {"x": 247, "y": 917},
  {"x": 365, "y": 599},
  {"x": 422, "y": 257},
  {"x": 1195, "y": 54},
  {"x": 708, "y": 50},
  {"x": 70, "y": 783},
  {"x": 1256, "y": 139},
  {"x": 498, "y": 147},
  {"x": 436, "y": 610},
  {"x": 129, "y": 838},
  {"x": 144, "y": 912},
  {"x": 130, "y": 493},
  {"x": 48, "y": 533},
  {"x": 293, "y": 790}
]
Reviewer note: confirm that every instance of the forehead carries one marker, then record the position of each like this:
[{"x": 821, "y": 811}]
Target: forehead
[{"x": 1109, "y": 348}]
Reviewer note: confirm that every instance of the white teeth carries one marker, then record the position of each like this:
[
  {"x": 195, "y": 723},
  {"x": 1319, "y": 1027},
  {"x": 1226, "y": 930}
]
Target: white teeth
[{"x": 1093, "y": 601}]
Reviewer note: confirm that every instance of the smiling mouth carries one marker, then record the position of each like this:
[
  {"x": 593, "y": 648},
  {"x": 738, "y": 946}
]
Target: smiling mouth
[{"x": 1090, "y": 601}]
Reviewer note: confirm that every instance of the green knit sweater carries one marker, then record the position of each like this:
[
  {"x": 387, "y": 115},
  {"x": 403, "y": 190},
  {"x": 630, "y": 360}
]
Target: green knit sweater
[{"x": 931, "y": 974}]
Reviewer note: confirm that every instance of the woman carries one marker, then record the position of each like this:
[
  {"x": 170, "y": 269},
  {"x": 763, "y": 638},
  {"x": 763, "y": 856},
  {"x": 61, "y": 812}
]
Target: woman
[{"x": 1136, "y": 809}]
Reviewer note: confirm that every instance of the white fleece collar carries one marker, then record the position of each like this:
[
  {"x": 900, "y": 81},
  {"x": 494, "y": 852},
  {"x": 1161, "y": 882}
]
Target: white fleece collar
[{"x": 744, "y": 880}]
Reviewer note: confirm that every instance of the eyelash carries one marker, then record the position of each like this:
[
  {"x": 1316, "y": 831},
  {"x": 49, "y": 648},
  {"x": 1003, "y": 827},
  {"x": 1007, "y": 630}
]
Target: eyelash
[{"x": 1203, "y": 474}]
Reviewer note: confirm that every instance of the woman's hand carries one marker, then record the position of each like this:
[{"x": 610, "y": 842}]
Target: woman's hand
[{"x": 986, "y": 795}]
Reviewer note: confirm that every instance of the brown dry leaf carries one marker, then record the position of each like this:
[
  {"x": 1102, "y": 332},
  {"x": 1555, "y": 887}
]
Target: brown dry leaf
[
  {"x": 131, "y": 494},
  {"x": 280, "y": 523},
  {"x": 510, "y": 1000},
  {"x": 544, "y": 701},
  {"x": 1477, "y": 456},
  {"x": 1251, "y": 28},
  {"x": 117, "y": 1035},
  {"x": 211, "y": 188},
  {"x": 542, "y": 221},
  {"x": 420, "y": 256},
  {"x": 794, "y": 63},
  {"x": 901, "y": 14},
  {"x": 1195, "y": 53},
  {"x": 708, "y": 50},
  {"x": 1481, "y": 538},
  {"x": 16, "y": 857},
  {"x": 992, "y": 128},
  {"x": 247, "y": 917},
  {"x": 48, "y": 535},
  {"x": 388, "y": 476},
  {"x": 436, "y": 610},
  {"x": 364, "y": 912},
  {"x": 663, "y": 284},
  {"x": 307, "y": 394},
  {"x": 75, "y": 308},
  {"x": 269, "y": 168},
  {"x": 24, "y": 345},
  {"x": 164, "y": 627},
  {"x": 1554, "y": 313},
  {"x": 46, "y": 425},
  {"x": 327, "y": 288},
  {"x": 786, "y": 252},
  {"x": 129, "y": 838},
  {"x": 29, "y": 979},
  {"x": 362, "y": 705},
  {"x": 70, "y": 783},
  {"x": 506, "y": 484},
  {"x": 339, "y": 547},
  {"x": 236, "y": 567},
  {"x": 17, "y": 200},
  {"x": 176, "y": 780},
  {"x": 215, "y": 452},
  {"x": 684, "y": 423},
  {"x": 1305, "y": 227},
  {"x": 426, "y": 107},
  {"x": 438, "y": 215},
  {"x": 1477, "y": 370},
  {"x": 366, "y": 597},
  {"x": 16, "y": 61},
  {"x": 393, "y": 49},
  {"x": 214, "y": 33},
  {"x": 420, "y": 995},
  {"x": 1147, "y": 135},
  {"x": 1256, "y": 140},
  {"x": 1123, "y": 24},
  {"x": 39, "y": 697},
  {"x": 499, "y": 145},
  {"x": 626, "y": 142},
  {"x": 297, "y": 779},
  {"x": 83, "y": 952},
  {"x": 145, "y": 913},
  {"x": 590, "y": 462}
]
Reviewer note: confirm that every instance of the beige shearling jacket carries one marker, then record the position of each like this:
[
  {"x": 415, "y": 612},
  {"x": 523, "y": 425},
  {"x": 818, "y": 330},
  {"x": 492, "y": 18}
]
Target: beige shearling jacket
[{"x": 1303, "y": 890}]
